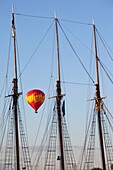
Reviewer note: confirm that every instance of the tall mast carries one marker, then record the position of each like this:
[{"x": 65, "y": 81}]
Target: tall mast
[
  {"x": 58, "y": 99},
  {"x": 98, "y": 101},
  {"x": 15, "y": 96}
]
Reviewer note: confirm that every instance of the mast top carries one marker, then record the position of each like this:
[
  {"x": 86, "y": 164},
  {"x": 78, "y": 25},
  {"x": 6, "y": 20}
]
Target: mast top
[
  {"x": 93, "y": 21},
  {"x": 12, "y": 9},
  {"x": 55, "y": 14},
  {"x": 13, "y": 25}
]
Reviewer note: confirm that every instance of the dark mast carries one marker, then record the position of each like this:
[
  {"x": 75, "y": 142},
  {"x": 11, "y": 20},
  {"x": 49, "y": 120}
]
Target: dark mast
[
  {"x": 15, "y": 96},
  {"x": 58, "y": 99},
  {"x": 97, "y": 102}
]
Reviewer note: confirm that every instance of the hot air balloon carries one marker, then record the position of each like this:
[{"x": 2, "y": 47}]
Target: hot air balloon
[{"x": 35, "y": 98}]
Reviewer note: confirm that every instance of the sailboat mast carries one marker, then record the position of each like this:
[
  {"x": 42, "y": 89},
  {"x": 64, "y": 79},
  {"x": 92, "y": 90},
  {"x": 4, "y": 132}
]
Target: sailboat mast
[
  {"x": 58, "y": 99},
  {"x": 15, "y": 96},
  {"x": 98, "y": 101}
]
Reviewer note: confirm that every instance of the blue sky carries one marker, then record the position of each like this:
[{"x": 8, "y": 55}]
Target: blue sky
[{"x": 30, "y": 32}]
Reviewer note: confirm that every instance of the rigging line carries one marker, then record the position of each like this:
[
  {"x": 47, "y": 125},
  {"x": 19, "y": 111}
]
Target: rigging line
[
  {"x": 3, "y": 86},
  {"x": 104, "y": 45},
  {"x": 76, "y": 22},
  {"x": 36, "y": 49},
  {"x": 21, "y": 87},
  {"x": 86, "y": 136},
  {"x": 51, "y": 77},
  {"x": 64, "y": 89},
  {"x": 33, "y": 16},
  {"x": 44, "y": 139},
  {"x": 52, "y": 60},
  {"x": 89, "y": 89},
  {"x": 109, "y": 122},
  {"x": 37, "y": 134},
  {"x": 45, "y": 133},
  {"x": 108, "y": 111},
  {"x": 77, "y": 83},
  {"x": 76, "y": 53},
  {"x": 78, "y": 40},
  {"x": 4, "y": 114},
  {"x": 106, "y": 72},
  {"x": 9, "y": 132},
  {"x": 3, "y": 117},
  {"x": 3, "y": 133},
  {"x": 6, "y": 76},
  {"x": 44, "y": 17},
  {"x": 106, "y": 68}
]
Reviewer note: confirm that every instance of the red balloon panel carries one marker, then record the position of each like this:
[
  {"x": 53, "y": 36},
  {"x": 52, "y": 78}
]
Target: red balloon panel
[{"x": 35, "y": 98}]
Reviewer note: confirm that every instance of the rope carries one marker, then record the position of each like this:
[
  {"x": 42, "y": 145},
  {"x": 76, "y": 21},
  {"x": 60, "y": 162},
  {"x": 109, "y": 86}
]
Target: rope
[
  {"x": 35, "y": 50},
  {"x": 76, "y": 53},
  {"x": 45, "y": 17},
  {"x": 76, "y": 22},
  {"x": 106, "y": 72},
  {"x": 104, "y": 45},
  {"x": 33, "y": 16},
  {"x": 77, "y": 83}
]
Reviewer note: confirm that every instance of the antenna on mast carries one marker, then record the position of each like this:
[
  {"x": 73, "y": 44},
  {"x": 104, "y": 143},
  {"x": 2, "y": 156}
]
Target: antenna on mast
[
  {"x": 58, "y": 98},
  {"x": 98, "y": 100},
  {"x": 15, "y": 96},
  {"x": 54, "y": 14}
]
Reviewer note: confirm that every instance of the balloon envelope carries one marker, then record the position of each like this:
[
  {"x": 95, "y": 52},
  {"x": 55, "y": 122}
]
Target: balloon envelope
[{"x": 35, "y": 98}]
